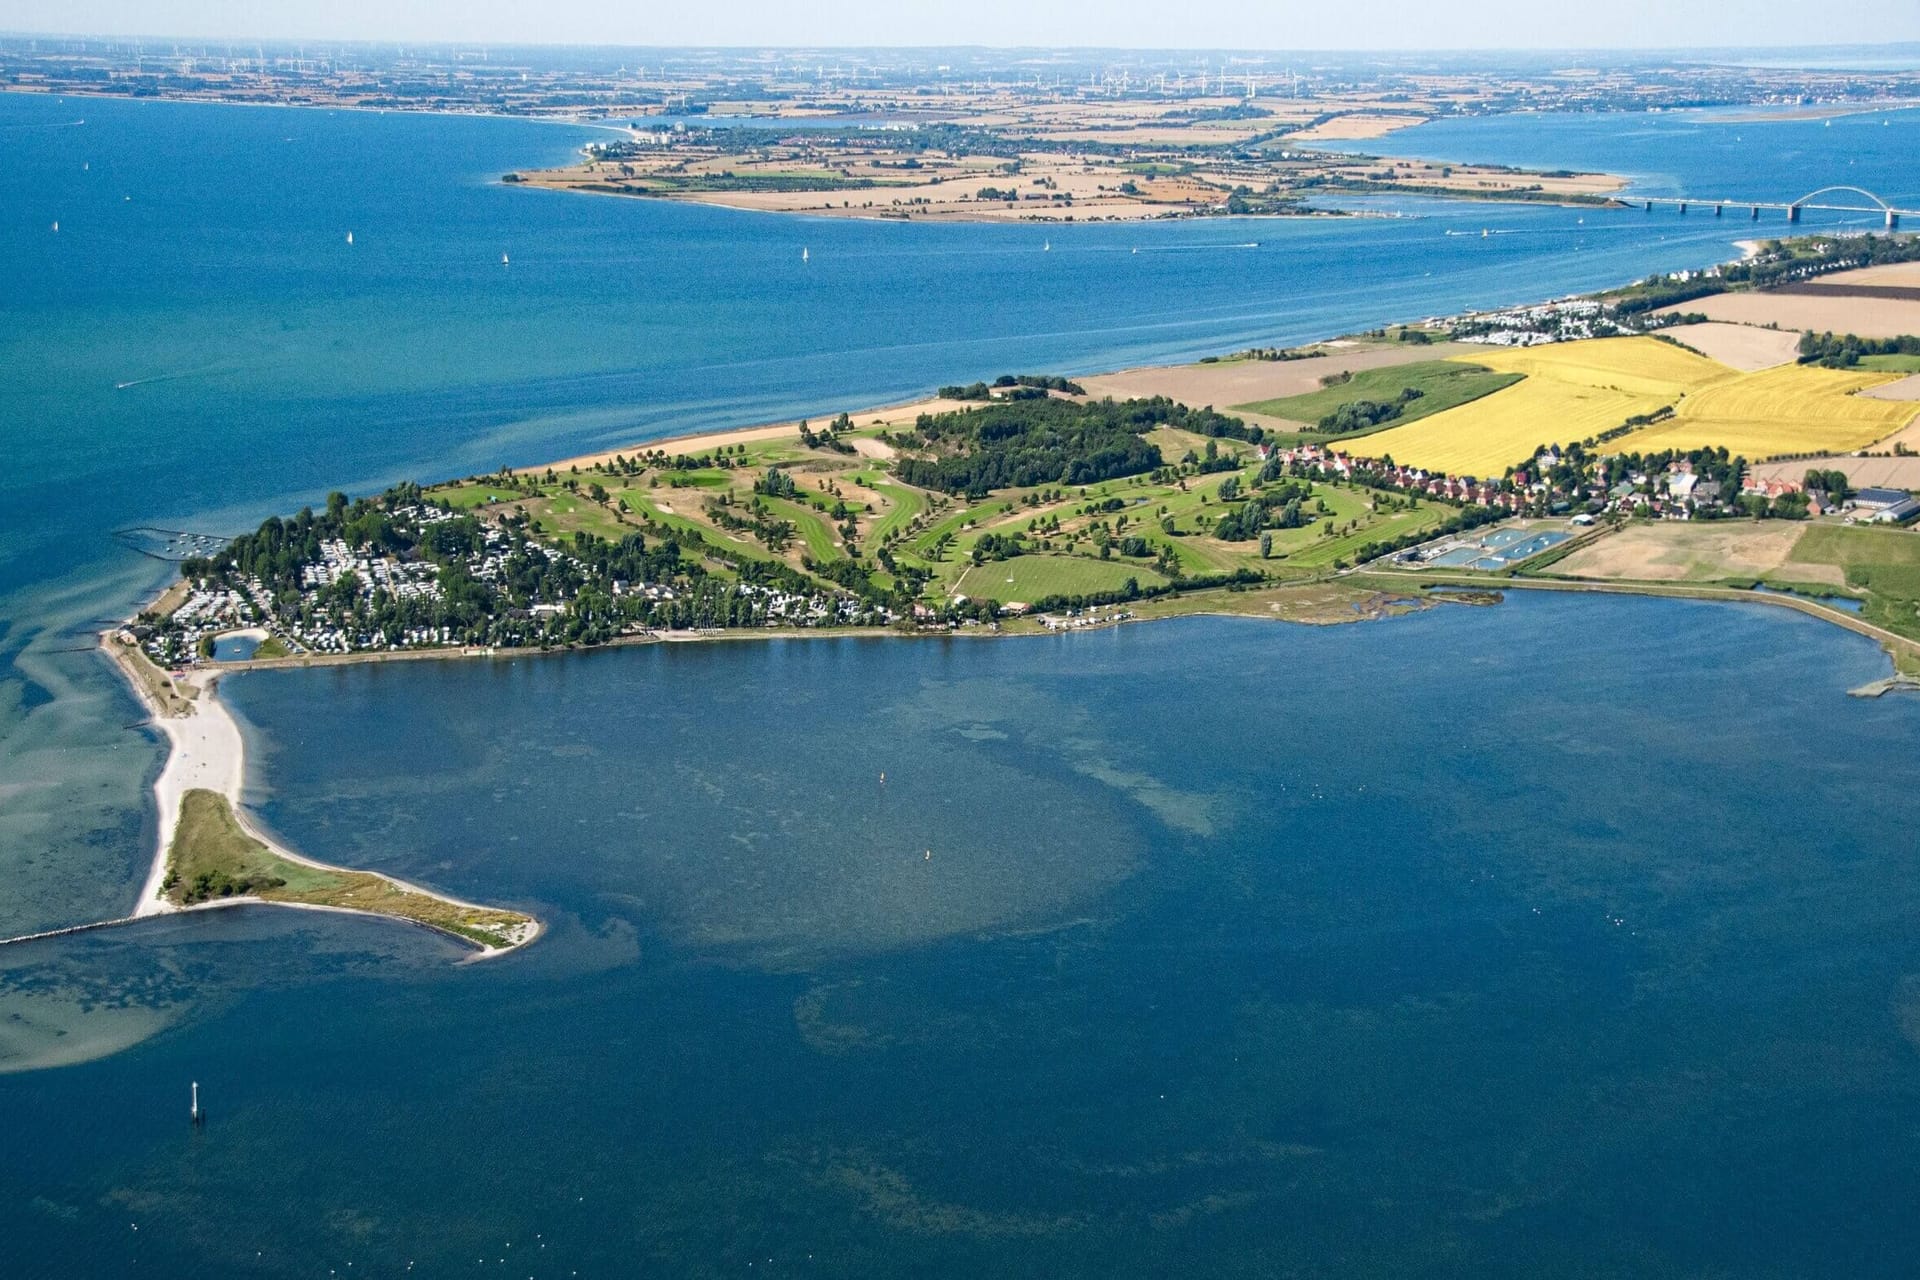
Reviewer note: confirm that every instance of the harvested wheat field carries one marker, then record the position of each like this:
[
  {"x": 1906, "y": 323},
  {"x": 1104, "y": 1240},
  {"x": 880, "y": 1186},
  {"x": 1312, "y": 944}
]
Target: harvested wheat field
[
  {"x": 1669, "y": 551},
  {"x": 1740, "y": 346},
  {"x": 1825, "y": 310}
]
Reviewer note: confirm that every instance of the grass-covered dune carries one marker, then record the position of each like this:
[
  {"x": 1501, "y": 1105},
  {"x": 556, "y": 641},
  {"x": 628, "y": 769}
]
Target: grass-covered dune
[{"x": 214, "y": 858}]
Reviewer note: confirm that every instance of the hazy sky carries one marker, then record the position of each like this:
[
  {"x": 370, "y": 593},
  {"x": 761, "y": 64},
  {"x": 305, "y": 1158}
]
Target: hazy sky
[{"x": 1244, "y": 24}]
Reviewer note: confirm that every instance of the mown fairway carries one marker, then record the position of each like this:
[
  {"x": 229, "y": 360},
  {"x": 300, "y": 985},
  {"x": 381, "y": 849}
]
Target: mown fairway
[{"x": 1030, "y": 578}]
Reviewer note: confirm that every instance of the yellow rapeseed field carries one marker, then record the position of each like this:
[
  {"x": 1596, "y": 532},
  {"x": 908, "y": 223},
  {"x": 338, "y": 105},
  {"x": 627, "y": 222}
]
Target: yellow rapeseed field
[
  {"x": 1575, "y": 390},
  {"x": 1789, "y": 409}
]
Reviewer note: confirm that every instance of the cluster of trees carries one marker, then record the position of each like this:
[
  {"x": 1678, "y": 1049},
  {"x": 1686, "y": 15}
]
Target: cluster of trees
[
  {"x": 777, "y": 483},
  {"x": 1018, "y": 443},
  {"x": 211, "y": 884},
  {"x": 830, "y": 438},
  {"x": 997, "y": 546},
  {"x": 1010, "y": 383},
  {"x": 1844, "y": 352},
  {"x": 1835, "y": 484},
  {"x": 1361, "y": 415},
  {"x": 1131, "y": 590},
  {"x": 1277, "y": 507}
]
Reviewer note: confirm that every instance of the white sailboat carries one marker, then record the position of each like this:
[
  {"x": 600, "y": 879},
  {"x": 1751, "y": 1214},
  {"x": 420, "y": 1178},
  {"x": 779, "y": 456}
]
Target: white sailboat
[
  {"x": 1047, "y": 247},
  {"x": 349, "y": 237},
  {"x": 503, "y": 260},
  {"x": 56, "y": 228},
  {"x": 804, "y": 255}
]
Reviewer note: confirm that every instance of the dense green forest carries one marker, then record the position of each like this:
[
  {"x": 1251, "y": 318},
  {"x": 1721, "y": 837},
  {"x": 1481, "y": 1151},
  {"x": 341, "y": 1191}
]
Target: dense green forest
[{"x": 1024, "y": 442}]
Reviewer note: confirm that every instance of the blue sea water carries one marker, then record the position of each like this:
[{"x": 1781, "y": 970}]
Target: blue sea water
[
  {"x": 1565, "y": 937},
  {"x": 1226, "y": 956}
]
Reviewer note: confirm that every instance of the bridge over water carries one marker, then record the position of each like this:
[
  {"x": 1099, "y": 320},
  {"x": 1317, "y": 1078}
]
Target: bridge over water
[{"x": 1826, "y": 199}]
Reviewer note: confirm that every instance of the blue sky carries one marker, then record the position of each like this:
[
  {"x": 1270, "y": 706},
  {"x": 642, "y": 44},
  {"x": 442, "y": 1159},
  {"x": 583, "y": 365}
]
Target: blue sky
[{"x": 1212, "y": 24}]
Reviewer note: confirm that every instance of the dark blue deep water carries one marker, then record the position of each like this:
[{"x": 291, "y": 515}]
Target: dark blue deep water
[{"x": 1567, "y": 937}]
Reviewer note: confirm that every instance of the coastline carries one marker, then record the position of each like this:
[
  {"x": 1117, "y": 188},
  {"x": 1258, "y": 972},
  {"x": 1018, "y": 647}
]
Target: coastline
[{"x": 207, "y": 751}]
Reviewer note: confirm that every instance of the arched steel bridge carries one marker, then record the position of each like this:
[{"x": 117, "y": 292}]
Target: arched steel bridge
[{"x": 1822, "y": 199}]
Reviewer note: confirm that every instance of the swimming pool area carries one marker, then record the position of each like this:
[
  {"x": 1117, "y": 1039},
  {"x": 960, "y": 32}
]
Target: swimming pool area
[{"x": 1498, "y": 549}]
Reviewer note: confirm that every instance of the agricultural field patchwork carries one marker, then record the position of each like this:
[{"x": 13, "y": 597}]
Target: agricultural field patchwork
[{"x": 1578, "y": 390}]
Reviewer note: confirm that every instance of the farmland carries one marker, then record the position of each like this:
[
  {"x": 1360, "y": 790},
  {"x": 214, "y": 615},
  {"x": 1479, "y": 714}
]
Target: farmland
[
  {"x": 1440, "y": 384},
  {"x": 1791, "y": 409},
  {"x": 1576, "y": 391}
]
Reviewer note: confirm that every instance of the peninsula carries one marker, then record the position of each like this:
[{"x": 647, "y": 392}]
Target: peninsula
[
  {"x": 1338, "y": 483},
  {"x": 1355, "y": 478},
  {"x": 209, "y": 856}
]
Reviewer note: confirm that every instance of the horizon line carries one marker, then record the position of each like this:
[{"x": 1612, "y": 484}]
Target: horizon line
[{"x": 1427, "y": 51}]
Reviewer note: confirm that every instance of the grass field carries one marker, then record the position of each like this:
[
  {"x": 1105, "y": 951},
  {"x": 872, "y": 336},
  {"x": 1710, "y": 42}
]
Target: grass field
[
  {"x": 1891, "y": 364},
  {"x": 815, "y": 534},
  {"x": 212, "y": 857},
  {"x": 1034, "y": 577},
  {"x": 1885, "y": 561},
  {"x": 1444, "y": 384},
  {"x": 1576, "y": 390}
]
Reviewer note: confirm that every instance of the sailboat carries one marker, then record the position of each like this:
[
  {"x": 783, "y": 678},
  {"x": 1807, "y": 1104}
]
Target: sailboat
[
  {"x": 1047, "y": 247},
  {"x": 56, "y": 228},
  {"x": 804, "y": 255},
  {"x": 349, "y": 237},
  {"x": 1485, "y": 234},
  {"x": 503, "y": 260}
]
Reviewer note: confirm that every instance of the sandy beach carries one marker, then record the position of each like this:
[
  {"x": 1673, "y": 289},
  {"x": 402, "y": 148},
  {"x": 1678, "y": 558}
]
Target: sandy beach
[
  {"x": 206, "y": 751},
  {"x": 893, "y": 415}
]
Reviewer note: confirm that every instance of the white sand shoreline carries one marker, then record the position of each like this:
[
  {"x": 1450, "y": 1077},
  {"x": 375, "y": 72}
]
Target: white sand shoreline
[{"x": 207, "y": 751}]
